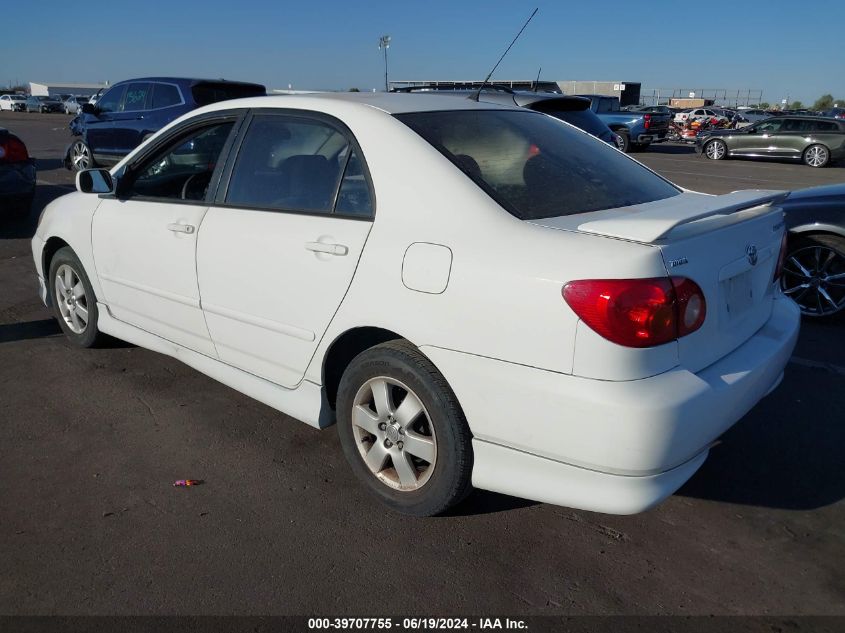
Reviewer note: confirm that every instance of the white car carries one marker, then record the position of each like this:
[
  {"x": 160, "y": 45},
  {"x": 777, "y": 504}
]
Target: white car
[
  {"x": 13, "y": 103},
  {"x": 699, "y": 114},
  {"x": 478, "y": 295}
]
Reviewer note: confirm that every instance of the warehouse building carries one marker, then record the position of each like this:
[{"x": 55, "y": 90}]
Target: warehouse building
[{"x": 51, "y": 89}]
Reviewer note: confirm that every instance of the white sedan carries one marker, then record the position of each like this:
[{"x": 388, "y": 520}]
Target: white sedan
[{"x": 478, "y": 295}]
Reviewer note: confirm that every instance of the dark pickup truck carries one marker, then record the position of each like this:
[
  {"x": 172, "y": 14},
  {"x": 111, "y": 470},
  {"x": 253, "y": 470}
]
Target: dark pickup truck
[{"x": 635, "y": 131}]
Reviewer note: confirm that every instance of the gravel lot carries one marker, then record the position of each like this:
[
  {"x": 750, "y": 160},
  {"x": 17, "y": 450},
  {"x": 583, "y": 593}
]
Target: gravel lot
[{"x": 91, "y": 441}]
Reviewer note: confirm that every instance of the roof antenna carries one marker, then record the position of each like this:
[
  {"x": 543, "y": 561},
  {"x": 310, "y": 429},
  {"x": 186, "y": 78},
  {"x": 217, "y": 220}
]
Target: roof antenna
[
  {"x": 477, "y": 93},
  {"x": 537, "y": 82}
]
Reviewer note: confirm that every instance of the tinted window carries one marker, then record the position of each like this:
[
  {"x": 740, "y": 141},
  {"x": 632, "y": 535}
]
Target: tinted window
[
  {"x": 288, "y": 163},
  {"x": 165, "y": 95},
  {"x": 824, "y": 126},
  {"x": 796, "y": 125},
  {"x": 606, "y": 105},
  {"x": 110, "y": 101},
  {"x": 136, "y": 97},
  {"x": 534, "y": 166},
  {"x": 586, "y": 120},
  {"x": 769, "y": 126},
  {"x": 183, "y": 171},
  {"x": 354, "y": 196},
  {"x": 208, "y": 92}
]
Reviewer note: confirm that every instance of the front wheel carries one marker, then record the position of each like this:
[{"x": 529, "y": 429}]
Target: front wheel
[
  {"x": 74, "y": 303},
  {"x": 623, "y": 141},
  {"x": 816, "y": 156},
  {"x": 716, "y": 150},
  {"x": 402, "y": 430},
  {"x": 80, "y": 156}
]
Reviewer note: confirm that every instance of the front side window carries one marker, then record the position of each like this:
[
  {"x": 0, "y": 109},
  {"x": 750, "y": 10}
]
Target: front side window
[
  {"x": 770, "y": 126},
  {"x": 110, "y": 102},
  {"x": 288, "y": 162},
  {"x": 136, "y": 97},
  {"x": 535, "y": 166},
  {"x": 183, "y": 171}
]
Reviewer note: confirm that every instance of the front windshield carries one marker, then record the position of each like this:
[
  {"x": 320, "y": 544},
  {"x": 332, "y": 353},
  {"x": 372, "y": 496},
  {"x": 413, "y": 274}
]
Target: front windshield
[{"x": 536, "y": 166}]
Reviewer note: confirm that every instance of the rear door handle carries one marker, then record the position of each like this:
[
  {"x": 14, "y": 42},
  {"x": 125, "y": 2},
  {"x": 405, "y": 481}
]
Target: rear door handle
[
  {"x": 331, "y": 249},
  {"x": 181, "y": 228}
]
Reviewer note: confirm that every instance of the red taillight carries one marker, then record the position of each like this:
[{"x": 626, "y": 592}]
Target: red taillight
[
  {"x": 13, "y": 150},
  {"x": 781, "y": 259},
  {"x": 638, "y": 312},
  {"x": 647, "y": 119}
]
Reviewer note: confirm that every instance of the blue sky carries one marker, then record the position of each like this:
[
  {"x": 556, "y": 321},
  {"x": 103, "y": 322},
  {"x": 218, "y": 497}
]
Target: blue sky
[{"x": 784, "y": 48}]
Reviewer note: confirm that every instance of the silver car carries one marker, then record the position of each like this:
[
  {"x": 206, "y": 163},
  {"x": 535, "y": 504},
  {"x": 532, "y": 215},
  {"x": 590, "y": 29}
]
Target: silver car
[{"x": 74, "y": 104}]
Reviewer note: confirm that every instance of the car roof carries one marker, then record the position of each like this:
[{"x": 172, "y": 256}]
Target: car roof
[
  {"x": 182, "y": 80},
  {"x": 389, "y": 102}
]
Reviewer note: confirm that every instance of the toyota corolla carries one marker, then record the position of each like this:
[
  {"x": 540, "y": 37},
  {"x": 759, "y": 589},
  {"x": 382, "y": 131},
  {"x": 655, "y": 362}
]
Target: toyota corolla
[{"x": 479, "y": 296}]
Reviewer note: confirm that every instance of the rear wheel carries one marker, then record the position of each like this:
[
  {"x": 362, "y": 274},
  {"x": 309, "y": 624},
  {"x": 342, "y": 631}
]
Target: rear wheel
[
  {"x": 816, "y": 156},
  {"x": 74, "y": 303},
  {"x": 814, "y": 274},
  {"x": 402, "y": 430},
  {"x": 716, "y": 149}
]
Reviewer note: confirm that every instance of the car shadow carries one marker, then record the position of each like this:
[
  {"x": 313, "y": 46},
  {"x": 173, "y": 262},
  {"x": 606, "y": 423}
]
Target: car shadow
[
  {"x": 670, "y": 148},
  {"x": 43, "y": 328},
  {"x": 485, "y": 502},
  {"x": 774, "y": 458},
  {"x": 48, "y": 164},
  {"x": 23, "y": 226}
]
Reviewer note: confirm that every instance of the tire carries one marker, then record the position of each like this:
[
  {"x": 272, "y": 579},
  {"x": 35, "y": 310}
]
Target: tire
[
  {"x": 427, "y": 485},
  {"x": 623, "y": 141},
  {"x": 77, "y": 312},
  {"x": 716, "y": 149},
  {"x": 814, "y": 274},
  {"x": 81, "y": 156},
  {"x": 816, "y": 156}
]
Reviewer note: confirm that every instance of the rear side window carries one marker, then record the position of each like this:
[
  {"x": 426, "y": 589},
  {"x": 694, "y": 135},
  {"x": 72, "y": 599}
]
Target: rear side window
[
  {"x": 211, "y": 92},
  {"x": 824, "y": 126},
  {"x": 136, "y": 97},
  {"x": 165, "y": 95},
  {"x": 289, "y": 163},
  {"x": 534, "y": 166},
  {"x": 586, "y": 120}
]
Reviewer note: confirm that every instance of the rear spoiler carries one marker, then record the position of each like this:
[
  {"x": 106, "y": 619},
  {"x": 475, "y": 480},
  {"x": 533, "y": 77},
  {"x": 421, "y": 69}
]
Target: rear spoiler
[{"x": 656, "y": 220}]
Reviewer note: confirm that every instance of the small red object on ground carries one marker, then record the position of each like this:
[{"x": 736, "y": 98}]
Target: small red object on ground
[{"x": 187, "y": 482}]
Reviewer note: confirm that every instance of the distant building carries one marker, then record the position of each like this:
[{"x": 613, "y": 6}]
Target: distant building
[
  {"x": 628, "y": 92},
  {"x": 50, "y": 89}
]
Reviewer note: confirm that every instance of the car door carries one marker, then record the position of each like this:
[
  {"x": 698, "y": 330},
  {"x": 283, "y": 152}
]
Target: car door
[
  {"x": 278, "y": 248},
  {"x": 128, "y": 123},
  {"x": 790, "y": 141},
  {"x": 99, "y": 125},
  {"x": 145, "y": 237},
  {"x": 760, "y": 138}
]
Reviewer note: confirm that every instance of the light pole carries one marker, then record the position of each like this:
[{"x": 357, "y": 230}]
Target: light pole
[{"x": 383, "y": 45}]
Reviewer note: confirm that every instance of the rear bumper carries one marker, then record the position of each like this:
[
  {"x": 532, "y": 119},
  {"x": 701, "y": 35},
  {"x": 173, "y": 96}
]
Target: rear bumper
[
  {"x": 618, "y": 447},
  {"x": 17, "y": 182}
]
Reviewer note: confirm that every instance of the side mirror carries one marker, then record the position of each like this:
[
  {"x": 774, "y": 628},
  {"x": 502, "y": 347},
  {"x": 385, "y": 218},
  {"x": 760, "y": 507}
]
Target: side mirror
[
  {"x": 94, "y": 181},
  {"x": 87, "y": 108}
]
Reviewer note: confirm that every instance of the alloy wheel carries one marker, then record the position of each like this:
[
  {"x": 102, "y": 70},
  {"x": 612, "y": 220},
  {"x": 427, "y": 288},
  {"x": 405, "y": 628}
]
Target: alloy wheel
[
  {"x": 715, "y": 150},
  {"x": 816, "y": 156},
  {"x": 71, "y": 299},
  {"x": 814, "y": 276},
  {"x": 80, "y": 156},
  {"x": 394, "y": 434}
]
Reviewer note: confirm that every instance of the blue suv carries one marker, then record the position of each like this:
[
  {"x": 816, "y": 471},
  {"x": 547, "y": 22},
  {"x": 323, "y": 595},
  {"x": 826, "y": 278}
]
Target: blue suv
[{"x": 131, "y": 111}]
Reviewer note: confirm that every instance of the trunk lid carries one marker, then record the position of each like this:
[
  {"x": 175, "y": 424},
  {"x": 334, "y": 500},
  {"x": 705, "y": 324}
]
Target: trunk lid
[{"x": 728, "y": 245}]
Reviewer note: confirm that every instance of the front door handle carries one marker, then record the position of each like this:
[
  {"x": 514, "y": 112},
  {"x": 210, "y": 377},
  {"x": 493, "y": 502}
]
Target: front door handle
[
  {"x": 331, "y": 249},
  {"x": 181, "y": 228}
]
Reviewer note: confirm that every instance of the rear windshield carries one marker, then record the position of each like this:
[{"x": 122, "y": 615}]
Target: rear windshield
[
  {"x": 211, "y": 92},
  {"x": 536, "y": 167}
]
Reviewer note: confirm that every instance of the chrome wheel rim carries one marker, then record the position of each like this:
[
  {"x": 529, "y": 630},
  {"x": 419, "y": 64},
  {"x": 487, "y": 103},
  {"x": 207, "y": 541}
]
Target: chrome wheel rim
[
  {"x": 80, "y": 155},
  {"x": 71, "y": 299},
  {"x": 620, "y": 143},
  {"x": 816, "y": 156},
  {"x": 394, "y": 434},
  {"x": 814, "y": 276},
  {"x": 715, "y": 150}
]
